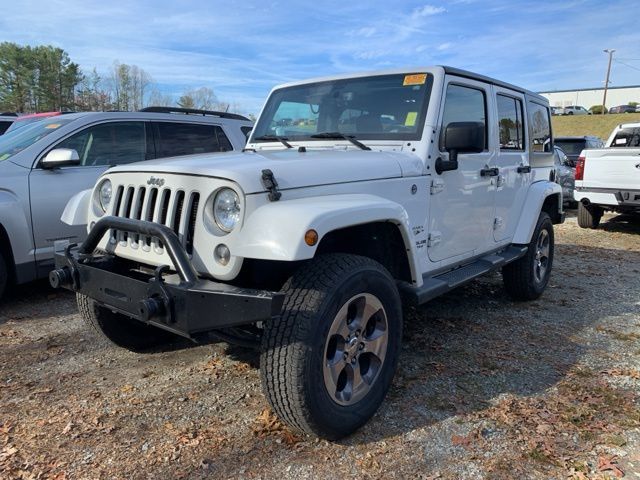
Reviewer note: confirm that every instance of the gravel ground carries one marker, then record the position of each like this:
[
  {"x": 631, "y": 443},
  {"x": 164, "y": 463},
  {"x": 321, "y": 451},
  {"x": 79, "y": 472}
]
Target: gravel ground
[{"x": 486, "y": 388}]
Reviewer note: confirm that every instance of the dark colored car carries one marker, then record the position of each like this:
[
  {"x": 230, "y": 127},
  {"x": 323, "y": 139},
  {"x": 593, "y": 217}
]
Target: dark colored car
[
  {"x": 565, "y": 174},
  {"x": 572, "y": 146},
  {"x": 623, "y": 109}
]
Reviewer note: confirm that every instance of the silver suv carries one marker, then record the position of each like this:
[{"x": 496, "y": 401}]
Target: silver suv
[{"x": 43, "y": 165}]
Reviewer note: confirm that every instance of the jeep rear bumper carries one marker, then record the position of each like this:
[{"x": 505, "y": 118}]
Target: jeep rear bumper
[{"x": 182, "y": 302}]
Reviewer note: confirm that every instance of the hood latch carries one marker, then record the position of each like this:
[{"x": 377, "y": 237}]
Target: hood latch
[{"x": 271, "y": 185}]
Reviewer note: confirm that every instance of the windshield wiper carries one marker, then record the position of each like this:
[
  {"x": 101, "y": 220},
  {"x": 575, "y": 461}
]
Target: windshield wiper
[
  {"x": 275, "y": 138},
  {"x": 338, "y": 135}
]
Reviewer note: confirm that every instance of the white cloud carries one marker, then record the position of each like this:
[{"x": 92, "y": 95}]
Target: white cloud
[
  {"x": 444, "y": 46},
  {"x": 427, "y": 11}
]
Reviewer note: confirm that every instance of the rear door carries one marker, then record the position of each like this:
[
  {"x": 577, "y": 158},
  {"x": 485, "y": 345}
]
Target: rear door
[
  {"x": 462, "y": 200},
  {"x": 512, "y": 162},
  {"x": 99, "y": 147}
]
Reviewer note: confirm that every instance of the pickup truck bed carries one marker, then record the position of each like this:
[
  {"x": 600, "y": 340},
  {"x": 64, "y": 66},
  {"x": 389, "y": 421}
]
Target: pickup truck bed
[{"x": 607, "y": 179}]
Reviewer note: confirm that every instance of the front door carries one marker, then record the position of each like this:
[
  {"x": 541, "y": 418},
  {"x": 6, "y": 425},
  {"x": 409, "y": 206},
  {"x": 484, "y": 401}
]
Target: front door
[
  {"x": 462, "y": 200},
  {"x": 99, "y": 147}
]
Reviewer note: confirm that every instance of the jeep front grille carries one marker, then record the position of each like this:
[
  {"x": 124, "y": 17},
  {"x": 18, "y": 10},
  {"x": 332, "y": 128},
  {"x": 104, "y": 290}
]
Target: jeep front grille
[{"x": 173, "y": 208}]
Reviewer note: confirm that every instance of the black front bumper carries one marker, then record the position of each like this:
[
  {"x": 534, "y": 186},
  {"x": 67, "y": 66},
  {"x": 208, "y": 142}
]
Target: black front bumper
[{"x": 181, "y": 303}]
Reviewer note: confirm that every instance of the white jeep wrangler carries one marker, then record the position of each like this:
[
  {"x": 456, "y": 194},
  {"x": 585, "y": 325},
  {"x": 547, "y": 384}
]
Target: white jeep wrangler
[{"x": 353, "y": 192}]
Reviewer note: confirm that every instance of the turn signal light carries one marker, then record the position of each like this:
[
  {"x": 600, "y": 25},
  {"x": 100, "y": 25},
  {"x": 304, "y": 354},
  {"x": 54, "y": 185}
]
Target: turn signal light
[
  {"x": 311, "y": 237},
  {"x": 580, "y": 168}
]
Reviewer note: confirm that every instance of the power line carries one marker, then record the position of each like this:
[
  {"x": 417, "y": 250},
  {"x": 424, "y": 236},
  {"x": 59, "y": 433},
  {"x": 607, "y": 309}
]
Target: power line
[{"x": 626, "y": 64}]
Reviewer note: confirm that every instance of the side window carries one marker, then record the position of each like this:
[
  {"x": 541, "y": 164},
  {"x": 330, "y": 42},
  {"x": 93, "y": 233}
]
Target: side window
[
  {"x": 4, "y": 126},
  {"x": 463, "y": 104},
  {"x": 540, "y": 128},
  {"x": 112, "y": 143},
  {"x": 510, "y": 123},
  {"x": 246, "y": 130},
  {"x": 175, "y": 139}
]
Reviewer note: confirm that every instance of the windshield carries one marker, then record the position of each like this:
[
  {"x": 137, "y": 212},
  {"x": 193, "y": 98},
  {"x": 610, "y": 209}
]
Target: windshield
[
  {"x": 385, "y": 107},
  {"x": 570, "y": 147},
  {"x": 19, "y": 139},
  {"x": 627, "y": 137}
]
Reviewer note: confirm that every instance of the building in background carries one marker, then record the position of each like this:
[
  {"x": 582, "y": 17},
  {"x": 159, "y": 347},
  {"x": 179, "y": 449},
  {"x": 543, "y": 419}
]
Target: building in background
[{"x": 587, "y": 97}]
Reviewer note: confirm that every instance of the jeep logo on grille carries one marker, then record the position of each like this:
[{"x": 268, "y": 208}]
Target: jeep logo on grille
[{"x": 158, "y": 182}]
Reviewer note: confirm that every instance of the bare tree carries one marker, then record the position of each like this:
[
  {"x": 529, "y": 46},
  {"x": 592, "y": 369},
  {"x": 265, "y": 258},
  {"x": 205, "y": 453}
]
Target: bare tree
[
  {"x": 129, "y": 84},
  {"x": 159, "y": 99}
]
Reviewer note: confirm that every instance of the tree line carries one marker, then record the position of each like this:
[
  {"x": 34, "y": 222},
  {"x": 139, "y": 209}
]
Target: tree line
[{"x": 43, "y": 78}]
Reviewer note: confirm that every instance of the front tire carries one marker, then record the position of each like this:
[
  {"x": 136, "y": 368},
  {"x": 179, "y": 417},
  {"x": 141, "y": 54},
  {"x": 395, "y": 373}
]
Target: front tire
[
  {"x": 329, "y": 359},
  {"x": 589, "y": 217},
  {"x": 527, "y": 277},
  {"x": 110, "y": 328}
]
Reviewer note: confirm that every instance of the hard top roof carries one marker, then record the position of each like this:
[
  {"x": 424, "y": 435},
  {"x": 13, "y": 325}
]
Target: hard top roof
[{"x": 447, "y": 70}]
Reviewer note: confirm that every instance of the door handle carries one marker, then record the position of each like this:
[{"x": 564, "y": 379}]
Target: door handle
[
  {"x": 490, "y": 172},
  {"x": 524, "y": 169}
]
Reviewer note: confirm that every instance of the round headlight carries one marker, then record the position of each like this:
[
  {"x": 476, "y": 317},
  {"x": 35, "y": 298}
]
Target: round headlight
[
  {"x": 104, "y": 195},
  {"x": 226, "y": 209}
]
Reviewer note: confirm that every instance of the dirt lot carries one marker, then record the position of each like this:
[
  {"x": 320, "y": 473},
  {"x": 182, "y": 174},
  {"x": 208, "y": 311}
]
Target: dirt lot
[{"x": 486, "y": 388}]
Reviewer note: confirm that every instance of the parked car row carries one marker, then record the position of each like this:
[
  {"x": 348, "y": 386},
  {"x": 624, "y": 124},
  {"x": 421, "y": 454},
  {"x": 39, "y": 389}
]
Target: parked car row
[{"x": 351, "y": 195}]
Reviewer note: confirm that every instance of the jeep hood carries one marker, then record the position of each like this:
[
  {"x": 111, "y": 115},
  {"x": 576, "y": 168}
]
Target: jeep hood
[{"x": 292, "y": 169}]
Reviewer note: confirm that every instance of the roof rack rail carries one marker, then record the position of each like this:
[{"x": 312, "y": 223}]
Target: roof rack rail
[
  {"x": 8, "y": 114},
  {"x": 194, "y": 111}
]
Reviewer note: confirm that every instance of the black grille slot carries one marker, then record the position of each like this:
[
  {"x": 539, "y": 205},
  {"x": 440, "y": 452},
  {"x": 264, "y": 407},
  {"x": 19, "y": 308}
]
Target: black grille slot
[
  {"x": 164, "y": 207},
  {"x": 116, "y": 208},
  {"x": 153, "y": 197},
  {"x": 177, "y": 216},
  {"x": 127, "y": 209},
  {"x": 191, "y": 227},
  {"x": 138, "y": 210}
]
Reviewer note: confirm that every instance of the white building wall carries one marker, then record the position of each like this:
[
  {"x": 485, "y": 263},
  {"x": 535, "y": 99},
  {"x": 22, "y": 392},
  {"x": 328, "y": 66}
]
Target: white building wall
[{"x": 588, "y": 98}]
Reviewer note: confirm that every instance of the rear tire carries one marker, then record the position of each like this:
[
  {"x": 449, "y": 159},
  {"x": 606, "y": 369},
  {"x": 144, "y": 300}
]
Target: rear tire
[
  {"x": 527, "y": 277},
  {"x": 111, "y": 328},
  {"x": 329, "y": 359},
  {"x": 589, "y": 217}
]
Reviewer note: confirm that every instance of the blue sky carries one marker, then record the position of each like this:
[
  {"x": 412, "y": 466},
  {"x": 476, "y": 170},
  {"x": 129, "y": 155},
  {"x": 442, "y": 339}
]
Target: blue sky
[{"x": 241, "y": 49}]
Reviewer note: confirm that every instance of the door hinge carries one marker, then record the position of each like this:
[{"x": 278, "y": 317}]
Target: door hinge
[
  {"x": 437, "y": 186},
  {"x": 497, "y": 223},
  {"x": 434, "y": 239}
]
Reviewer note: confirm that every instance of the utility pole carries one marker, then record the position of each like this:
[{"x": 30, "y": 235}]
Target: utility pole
[{"x": 606, "y": 82}]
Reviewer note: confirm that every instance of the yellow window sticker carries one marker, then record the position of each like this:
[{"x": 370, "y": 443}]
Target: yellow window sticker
[
  {"x": 415, "y": 79},
  {"x": 52, "y": 125},
  {"x": 411, "y": 119},
  {"x": 3, "y": 156}
]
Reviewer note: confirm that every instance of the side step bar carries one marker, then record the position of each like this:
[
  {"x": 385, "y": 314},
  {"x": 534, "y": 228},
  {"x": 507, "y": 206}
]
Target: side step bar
[{"x": 436, "y": 285}]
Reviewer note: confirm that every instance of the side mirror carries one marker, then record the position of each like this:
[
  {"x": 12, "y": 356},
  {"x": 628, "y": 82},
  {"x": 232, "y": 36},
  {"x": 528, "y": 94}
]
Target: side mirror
[
  {"x": 60, "y": 157},
  {"x": 461, "y": 137}
]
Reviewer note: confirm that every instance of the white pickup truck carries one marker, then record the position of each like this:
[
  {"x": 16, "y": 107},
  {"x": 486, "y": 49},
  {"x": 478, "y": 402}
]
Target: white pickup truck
[{"x": 609, "y": 178}]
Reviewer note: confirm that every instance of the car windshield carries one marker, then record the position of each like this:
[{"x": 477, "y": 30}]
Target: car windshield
[
  {"x": 384, "y": 107},
  {"x": 627, "y": 137},
  {"x": 570, "y": 147},
  {"x": 19, "y": 139}
]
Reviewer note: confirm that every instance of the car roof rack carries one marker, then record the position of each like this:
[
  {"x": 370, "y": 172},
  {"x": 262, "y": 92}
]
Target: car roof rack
[
  {"x": 194, "y": 111},
  {"x": 8, "y": 114}
]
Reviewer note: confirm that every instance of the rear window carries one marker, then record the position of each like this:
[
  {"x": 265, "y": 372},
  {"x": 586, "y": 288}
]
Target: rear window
[
  {"x": 627, "y": 137},
  {"x": 571, "y": 147}
]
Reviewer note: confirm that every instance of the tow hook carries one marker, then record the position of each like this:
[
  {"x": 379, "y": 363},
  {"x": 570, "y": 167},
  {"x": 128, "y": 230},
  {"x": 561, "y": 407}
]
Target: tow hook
[{"x": 60, "y": 277}]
